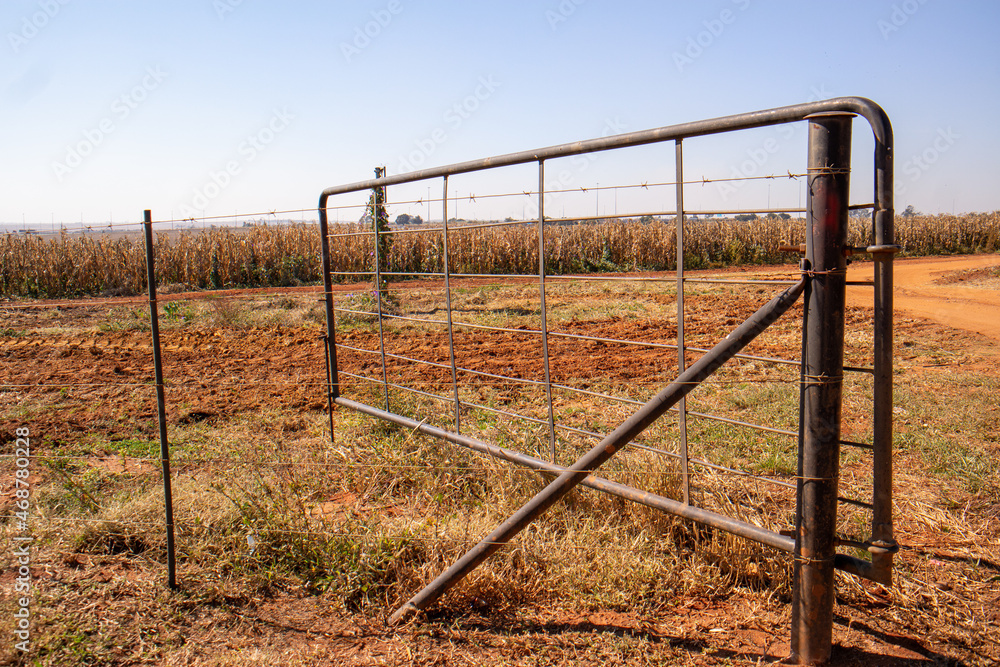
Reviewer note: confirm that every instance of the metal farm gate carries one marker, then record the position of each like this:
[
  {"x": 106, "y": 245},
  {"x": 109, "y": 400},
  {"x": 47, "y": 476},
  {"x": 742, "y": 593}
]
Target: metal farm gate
[{"x": 814, "y": 543}]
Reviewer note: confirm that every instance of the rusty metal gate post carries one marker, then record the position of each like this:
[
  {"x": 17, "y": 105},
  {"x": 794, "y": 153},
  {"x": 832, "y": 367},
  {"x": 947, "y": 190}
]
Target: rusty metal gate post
[
  {"x": 330, "y": 338},
  {"x": 829, "y": 164}
]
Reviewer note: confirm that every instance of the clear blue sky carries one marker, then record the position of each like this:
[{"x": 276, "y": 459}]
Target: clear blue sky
[{"x": 110, "y": 107}]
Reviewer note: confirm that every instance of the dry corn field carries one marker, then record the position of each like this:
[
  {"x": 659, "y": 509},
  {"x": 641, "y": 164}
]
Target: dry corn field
[{"x": 263, "y": 256}]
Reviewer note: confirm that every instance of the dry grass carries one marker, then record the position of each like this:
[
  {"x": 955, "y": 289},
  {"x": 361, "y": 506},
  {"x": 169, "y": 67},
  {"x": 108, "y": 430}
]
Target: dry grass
[{"x": 272, "y": 518}]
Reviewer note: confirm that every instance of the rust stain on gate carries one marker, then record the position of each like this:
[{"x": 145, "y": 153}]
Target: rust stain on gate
[{"x": 814, "y": 542}]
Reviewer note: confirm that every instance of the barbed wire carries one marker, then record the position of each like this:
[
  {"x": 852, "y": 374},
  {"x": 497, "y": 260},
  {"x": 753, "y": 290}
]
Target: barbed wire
[
  {"x": 111, "y": 226},
  {"x": 264, "y": 214},
  {"x": 645, "y": 185}
]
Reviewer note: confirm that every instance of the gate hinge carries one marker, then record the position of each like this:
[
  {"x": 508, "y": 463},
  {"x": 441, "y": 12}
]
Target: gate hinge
[{"x": 872, "y": 250}]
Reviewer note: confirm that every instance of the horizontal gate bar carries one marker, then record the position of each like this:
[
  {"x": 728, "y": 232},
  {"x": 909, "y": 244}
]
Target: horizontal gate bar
[
  {"x": 743, "y": 529},
  {"x": 726, "y": 281},
  {"x": 864, "y": 107}
]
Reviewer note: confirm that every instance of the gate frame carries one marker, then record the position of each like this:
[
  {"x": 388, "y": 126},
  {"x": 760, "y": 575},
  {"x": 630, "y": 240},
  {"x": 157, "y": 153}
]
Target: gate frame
[{"x": 815, "y": 540}]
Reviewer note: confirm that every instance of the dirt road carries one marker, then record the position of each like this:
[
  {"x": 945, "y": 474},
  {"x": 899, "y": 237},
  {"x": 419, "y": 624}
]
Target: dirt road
[{"x": 918, "y": 292}]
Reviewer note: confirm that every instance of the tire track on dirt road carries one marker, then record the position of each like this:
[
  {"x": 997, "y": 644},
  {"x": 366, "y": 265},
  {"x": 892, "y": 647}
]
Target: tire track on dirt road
[{"x": 915, "y": 292}]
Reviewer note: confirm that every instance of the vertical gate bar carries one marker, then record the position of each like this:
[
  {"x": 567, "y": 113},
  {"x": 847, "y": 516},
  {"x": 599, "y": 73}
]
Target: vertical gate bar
[
  {"x": 826, "y": 242},
  {"x": 545, "y": 314},
  {"x": 883, "y": 217},
  {"x": 681, "y": 363},
  {"x": 333, "y": 388},
  {"x": 447, "y": 296},
  {"x": 329, "y": 383},
  {"x": 161, "y": 409},
  {"x": 376, "y": 200}
]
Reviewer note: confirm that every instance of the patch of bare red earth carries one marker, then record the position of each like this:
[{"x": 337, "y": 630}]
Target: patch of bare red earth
[{"x": 218, "y": 371}]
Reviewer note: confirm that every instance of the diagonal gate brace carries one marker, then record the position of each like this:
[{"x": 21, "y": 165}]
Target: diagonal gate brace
[{"x": 589, "y": 462}]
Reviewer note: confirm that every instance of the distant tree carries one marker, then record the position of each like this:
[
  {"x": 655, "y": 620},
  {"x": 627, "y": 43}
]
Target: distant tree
[
  {"x": 746, "y": 217},
  {"x": 404, "y": 219},
  {"x": 784, "y": 216},
  {"x": 909, "y": 211}
]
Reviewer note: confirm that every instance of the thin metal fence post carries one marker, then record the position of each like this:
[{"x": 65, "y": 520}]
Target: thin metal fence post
[
  {"x": 681, "y": 363},
  {"x": 545, "y": 313},
  {"x": 829, "y": 164},
  {"x": 447, "y": 296},
  {"x": 154, "y": 325}
]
